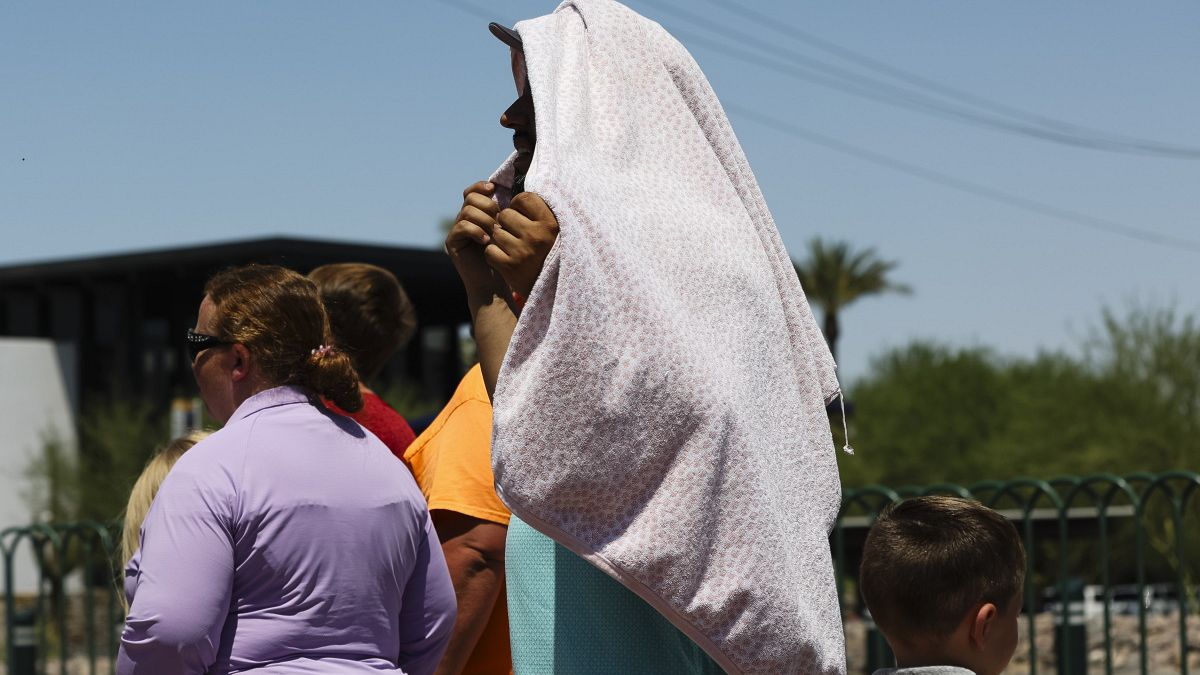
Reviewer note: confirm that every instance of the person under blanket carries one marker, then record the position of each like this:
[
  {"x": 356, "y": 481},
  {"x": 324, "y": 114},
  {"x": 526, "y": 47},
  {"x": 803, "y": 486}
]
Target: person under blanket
[
  {"x": 658, "y": 380},
  {"x": 565, "y": 615}
]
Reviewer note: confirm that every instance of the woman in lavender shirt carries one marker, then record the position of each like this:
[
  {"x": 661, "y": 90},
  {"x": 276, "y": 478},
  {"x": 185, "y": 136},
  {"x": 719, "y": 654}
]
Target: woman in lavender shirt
[{"x": 291, "y": 541}]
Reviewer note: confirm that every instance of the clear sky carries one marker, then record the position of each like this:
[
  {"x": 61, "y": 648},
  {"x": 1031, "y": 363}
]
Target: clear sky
[{"x": 136, "y": 125}]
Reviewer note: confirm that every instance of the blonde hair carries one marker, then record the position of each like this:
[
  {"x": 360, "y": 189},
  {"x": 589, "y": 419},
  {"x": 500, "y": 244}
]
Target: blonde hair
[{"x": 146, "y": 486}]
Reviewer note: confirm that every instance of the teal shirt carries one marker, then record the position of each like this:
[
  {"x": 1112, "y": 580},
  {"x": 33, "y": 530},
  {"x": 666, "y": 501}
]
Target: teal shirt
[
  {"x": 925, "y": 670},
  {"x": 568, "y": 618}
]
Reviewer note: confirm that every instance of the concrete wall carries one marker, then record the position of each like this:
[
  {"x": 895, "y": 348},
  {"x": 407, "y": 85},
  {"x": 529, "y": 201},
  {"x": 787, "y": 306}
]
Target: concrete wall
[{"x": 38, "y": 397}]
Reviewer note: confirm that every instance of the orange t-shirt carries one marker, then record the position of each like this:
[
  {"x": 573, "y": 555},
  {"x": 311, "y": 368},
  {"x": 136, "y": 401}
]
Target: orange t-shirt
[{"x": 452, "y": 462}]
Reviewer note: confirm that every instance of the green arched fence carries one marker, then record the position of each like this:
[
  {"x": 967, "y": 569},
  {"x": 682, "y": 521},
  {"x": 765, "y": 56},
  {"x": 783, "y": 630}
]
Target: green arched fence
[
  {"x": 93, "y": 547},
  {"x": 1109, "y": 529},
  {"x": 1072, "y": 526}
]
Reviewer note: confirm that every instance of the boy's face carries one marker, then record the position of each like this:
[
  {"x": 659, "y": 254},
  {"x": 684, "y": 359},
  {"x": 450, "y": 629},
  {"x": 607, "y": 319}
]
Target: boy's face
[{"x": 1000, "y": 645}]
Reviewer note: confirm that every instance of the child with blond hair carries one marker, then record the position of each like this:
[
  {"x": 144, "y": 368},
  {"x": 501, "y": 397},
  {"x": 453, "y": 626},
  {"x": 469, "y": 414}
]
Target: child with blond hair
[{"x": 142, "y": 496}]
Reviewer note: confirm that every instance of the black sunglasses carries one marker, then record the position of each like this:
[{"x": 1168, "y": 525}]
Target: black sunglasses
[{"x": 198, "y": 342}]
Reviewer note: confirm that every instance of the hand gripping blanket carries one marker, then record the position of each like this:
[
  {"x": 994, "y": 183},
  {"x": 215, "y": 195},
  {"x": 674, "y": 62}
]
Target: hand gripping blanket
[{"x": 661, "y": 408}]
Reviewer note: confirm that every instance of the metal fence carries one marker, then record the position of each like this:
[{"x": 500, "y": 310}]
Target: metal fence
[
  {"x": 40, "y": 629},
  {"x": 1080, "y": 515},
  {"x": 1068, "y": 525}
]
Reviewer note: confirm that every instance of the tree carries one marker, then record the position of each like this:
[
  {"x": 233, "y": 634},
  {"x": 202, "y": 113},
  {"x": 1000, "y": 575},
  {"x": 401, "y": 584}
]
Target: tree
[
  {"x": 835, "y": 275},
  {"x": 928, "y": 413},
  {"x": 1147, "y": 360},
  {"x": 117, "y": 434},
  {"x": 1130, "y": 402}
]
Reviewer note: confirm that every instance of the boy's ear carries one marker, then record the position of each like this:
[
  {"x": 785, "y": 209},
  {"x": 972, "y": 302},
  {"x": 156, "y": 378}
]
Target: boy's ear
[{"x": 983, "y": 621}]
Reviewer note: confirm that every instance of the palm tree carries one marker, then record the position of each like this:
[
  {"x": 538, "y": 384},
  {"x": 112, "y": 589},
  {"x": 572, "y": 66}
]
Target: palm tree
[{"x": 835, "y": 275}]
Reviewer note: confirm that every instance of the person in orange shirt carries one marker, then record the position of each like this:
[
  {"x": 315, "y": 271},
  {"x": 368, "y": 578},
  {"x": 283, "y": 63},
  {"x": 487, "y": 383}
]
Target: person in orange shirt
[{"x": 451, "y": 461}]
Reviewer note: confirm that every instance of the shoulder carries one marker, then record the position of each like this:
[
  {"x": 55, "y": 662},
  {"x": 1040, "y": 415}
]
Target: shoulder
[
  {"x": 376, "y": 408},
  {"x": 388, "y": 425},
  {"x": 202, "y": 481},
  {"x": 451, "y": 460},
  {"x": 467, "y": 413},
  {"x": 472, "y": 387},
  {"x": 470, "y": 399},
  {"x": 209, "y": 456},
  {"x": 461, "y": 422},
  {"x": 217, "y": 460}
]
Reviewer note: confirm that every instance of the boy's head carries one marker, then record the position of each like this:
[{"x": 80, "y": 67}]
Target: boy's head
[
  {"x": 942, "y": 577},
  {"x": 370, "y": 315}
]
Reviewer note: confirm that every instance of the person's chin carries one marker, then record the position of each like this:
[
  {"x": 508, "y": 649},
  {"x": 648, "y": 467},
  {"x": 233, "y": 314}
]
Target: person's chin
[{"x": 521, "y": 165}]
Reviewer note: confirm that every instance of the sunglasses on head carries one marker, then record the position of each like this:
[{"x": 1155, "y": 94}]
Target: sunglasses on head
[{"x": 198, "y": 342}]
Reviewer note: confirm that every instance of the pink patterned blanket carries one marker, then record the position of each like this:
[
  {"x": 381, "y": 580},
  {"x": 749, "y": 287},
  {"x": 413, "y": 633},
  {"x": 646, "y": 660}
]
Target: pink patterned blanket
[{"x": 661, "y": 409}]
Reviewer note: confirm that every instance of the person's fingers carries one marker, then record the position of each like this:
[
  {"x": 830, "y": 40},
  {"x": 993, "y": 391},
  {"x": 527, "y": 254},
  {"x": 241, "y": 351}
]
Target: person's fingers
[
  {"x": 533, "y": 207},
  {"x": 512, "y": 221},
  {"x": 507, "y": 241},
  {"x": 482, "y": 187},
  {"x": 482, "y": 202},
  {"x": 474, "y": 215},
  {"x": 465, "y": 233},
  {"x": 497, "y": 259}
]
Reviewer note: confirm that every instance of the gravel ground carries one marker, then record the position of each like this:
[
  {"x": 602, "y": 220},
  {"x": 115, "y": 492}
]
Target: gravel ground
[
  {"x": 1162, "y": 639},
  {"x": 1162, "y": 644}
]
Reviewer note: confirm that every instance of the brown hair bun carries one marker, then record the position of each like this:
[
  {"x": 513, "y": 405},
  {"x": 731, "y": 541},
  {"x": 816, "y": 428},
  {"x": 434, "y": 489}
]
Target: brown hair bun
[{"x": 278, "y": 315}]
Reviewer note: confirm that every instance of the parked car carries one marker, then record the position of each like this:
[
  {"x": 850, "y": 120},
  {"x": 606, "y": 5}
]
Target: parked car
[{"x": 1160, "y": 598}]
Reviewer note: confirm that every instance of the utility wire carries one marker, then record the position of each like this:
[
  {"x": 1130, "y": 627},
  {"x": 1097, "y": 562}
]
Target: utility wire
[
  {"x": 947, "y": 180},
  {"x": 897, "y": 97},
  {"x": 921, "y": 81},
  {"x": 800, "y": 66},
  {"x": 472, "y": 10}
]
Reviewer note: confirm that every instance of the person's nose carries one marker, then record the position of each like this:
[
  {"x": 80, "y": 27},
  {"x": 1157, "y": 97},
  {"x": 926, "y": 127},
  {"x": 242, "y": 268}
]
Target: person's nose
[{"x": 514, "y": 118}]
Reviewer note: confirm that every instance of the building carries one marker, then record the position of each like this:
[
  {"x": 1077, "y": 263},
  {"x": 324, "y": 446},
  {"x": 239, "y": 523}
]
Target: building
[
  {"x": 124, "y": 316},
  {"x": 36, "y": 401}
]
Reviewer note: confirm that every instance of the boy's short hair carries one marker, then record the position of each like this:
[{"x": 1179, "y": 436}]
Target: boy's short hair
[
  {"x": 928, "y": 560},
  {"x": 369, "y": 313}
]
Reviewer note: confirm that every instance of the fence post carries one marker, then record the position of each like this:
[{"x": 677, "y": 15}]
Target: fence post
[
  {"x": 24, "y": 643},
  {"x": 1070, "y": 633}
]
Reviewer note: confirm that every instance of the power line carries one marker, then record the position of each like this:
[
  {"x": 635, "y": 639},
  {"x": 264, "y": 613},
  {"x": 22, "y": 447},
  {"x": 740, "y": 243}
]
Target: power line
[
  {"x": 803, "y": 67},
  {"x": 933, "y": 176},
  {"x": 472, "y": 10},
  {"x": 918, "y": 80},
  {"x": 897, "y": 97}
]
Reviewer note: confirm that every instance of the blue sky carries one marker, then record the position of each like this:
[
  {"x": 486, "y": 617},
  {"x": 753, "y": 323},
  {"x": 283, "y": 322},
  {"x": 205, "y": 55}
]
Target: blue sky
[{"x": 138, "y": 125}]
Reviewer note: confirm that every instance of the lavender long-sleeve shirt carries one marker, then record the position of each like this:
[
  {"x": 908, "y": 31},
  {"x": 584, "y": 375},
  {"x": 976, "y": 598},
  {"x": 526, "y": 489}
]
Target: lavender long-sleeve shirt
[{"x": 289, "y": 542}]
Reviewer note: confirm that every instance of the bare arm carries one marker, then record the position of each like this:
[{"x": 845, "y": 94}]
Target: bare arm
[
  {"x": 494, "y": 322},
  {"x": 474, "y": 551}
]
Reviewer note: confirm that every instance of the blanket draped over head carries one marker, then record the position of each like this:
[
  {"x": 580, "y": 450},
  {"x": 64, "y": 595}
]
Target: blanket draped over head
[{"x": 661, "y": 408}]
